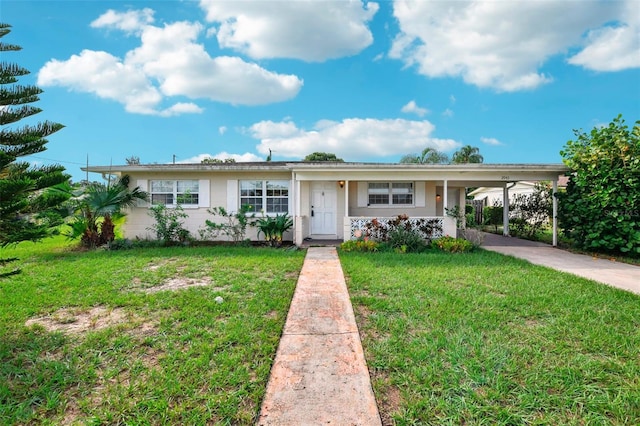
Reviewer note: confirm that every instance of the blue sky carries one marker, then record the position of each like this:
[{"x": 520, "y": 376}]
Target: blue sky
[{"x": 369, "y": 81}]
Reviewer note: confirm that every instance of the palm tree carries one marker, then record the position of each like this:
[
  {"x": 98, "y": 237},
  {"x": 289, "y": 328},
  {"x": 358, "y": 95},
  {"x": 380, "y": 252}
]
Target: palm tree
[
  {"x": 467, "y": 154},
  {"x": 427, "y": 156},
  {"x": 97, "y": 206}
]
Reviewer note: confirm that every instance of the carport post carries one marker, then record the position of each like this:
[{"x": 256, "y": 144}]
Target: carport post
[
  {"x": 554, "y": 221},
  {"x": 505, "y": 211}
]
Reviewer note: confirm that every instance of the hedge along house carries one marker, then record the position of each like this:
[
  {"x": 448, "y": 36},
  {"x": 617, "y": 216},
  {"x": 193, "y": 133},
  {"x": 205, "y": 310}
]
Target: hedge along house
[{"x": 327, "y": 200}]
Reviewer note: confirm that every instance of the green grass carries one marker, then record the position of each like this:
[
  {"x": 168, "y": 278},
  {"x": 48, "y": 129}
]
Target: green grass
[
  {"x": 178, "y": 357},
  {"x": 481, "y": 338}
]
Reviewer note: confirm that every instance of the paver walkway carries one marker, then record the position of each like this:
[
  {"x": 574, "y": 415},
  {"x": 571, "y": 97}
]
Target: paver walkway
[
  {"x": 616, "y": 274},
  {"x": 319, "y": 376}
]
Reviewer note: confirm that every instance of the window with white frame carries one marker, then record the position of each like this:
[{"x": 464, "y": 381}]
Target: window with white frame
[
  {"x": 268, "y": 196},
  {"x": 390, "y": 193},
  {"x": 174, "y": 192}
]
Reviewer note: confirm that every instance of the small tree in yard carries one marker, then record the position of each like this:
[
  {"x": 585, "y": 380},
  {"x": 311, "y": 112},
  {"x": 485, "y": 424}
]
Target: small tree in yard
[
  {"x": 97, "y": 208},
  {"x": 492, "y": 215},
  {"x": 600, "y": 209},
  {"x": 28, "y": 195},
  {"x": 530, "y": 213}
]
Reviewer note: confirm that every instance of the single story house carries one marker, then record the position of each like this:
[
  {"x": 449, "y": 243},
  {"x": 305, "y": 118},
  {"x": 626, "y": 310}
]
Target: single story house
[{"x": 327, "y": 200}]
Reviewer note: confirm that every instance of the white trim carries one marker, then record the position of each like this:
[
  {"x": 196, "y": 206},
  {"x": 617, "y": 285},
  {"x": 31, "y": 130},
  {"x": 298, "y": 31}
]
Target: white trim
[
  {"x": 204, "y": 193},
  {"x": 232, "y": 195},
  {"x": 420, "y": 194},
  {"x": 363, "y": 194},
  {"x": 144, "y": 185}
]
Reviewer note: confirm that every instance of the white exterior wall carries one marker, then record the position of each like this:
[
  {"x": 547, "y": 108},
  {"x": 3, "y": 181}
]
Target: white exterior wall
[
  {"x": 425, "y": 204},
  {"x": 138, "y": 219}
]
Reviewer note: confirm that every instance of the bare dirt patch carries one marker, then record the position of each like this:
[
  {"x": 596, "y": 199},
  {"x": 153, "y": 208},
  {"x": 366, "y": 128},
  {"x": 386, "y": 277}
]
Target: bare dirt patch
[
  {"x": 179, "y": 283},
  {"x": 81, "y": 320}
]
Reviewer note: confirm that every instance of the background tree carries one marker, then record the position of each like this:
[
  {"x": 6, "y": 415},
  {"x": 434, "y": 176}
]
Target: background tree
[
  {"x": 322, "y": 156},
  {"x": 427, "y": 156},
  {"x": 600, "y": 209},
  {"x": 133, "y": 160},
  {"x": 28, "y": 195},
  {"x": 467, "y": 154},
  {"x": 211, "y": 160}
]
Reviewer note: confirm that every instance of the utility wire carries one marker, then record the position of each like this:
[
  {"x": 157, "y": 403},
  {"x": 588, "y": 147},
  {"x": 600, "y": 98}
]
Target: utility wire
[{"x": 57, "y": 161}]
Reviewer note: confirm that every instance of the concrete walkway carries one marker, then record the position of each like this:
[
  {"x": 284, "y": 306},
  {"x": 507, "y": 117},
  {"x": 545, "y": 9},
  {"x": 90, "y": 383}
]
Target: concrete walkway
[
  {"x": 616, "y": 274},
  {"x": 319, "y": 376}
]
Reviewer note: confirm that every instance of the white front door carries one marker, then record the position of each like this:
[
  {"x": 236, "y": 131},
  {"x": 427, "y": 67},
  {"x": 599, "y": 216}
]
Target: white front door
[{"x": 323, "y": 208}]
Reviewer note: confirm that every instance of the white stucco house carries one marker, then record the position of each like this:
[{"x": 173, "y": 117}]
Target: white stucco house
[{"x": 327, "y": 200}]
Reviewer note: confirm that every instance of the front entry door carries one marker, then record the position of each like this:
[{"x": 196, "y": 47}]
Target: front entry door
[{"x": 323, "y": 208}]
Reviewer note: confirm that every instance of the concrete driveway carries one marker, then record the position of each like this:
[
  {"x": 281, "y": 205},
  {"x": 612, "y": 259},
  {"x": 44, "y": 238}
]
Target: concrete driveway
[{"x": 615, "y": 274}]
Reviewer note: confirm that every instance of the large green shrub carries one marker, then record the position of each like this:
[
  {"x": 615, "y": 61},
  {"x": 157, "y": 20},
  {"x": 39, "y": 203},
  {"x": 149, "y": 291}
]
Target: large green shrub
[
  {"x": 169, "y": 224},
  {"x": 600, "y": 209},
  {"x": 234, "y": 225}
]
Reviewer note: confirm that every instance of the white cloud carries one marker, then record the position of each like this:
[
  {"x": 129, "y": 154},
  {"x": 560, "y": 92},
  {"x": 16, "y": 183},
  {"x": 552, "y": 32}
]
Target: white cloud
[
  {"x": 310, "y": 30},
  {"x": 130, "y": 22},
  {"x": 490, "y": 141},
  {"x": 452, "y": 99},
  {"x": 613, "y": 48},
  {"x": 354, "y": 139},
  {"x": 240, "y": 158},
  {"x": 181, "y": 108},
  {"x": 447, "y": 112},
  {"x": 496, "y": 44},
  {"x": 222, "y": 130},
  {"x": 105, "y": 76},
  {"x": 412, "y": 107},
  {"x": 169, "y": 62}
]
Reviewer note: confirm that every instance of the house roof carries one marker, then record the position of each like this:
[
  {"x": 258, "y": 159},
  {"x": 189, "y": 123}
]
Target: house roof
[{"x": 489, "y": 174}]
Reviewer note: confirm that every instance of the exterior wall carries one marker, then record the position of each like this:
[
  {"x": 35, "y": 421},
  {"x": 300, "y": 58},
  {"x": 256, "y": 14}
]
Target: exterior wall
[
  {"x": 426, "y": 203},
  {"x": 138, "y": 219}
]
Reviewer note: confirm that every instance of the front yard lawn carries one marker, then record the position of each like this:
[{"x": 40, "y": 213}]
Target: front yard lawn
[
  {"x": 481, "y": 338},
  {"x": 139, "y": 336}
]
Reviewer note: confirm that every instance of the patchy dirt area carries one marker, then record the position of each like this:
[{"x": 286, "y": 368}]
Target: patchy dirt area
[
  {"x": 79, "y": 320},
  {"x": 179, "y": 283}
]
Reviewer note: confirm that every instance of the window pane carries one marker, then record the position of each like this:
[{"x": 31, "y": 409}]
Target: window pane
[
  {"x": 378, "y": 193},
  {"x": 378, "y": 198},
  {"x": 250, "y": 188},
  {"x": 277, "y": 205},
  {"x": 378, "y": 187},
  {"x": 278, "y": 188},
  {"x": 402, "y": 188},
  {"x": 188, "y": 198},
  {"x": 161, "y": 199},
  {"x": 187, "y": 186},
  {"x": 162, "y": 186},
  {"x": 402, "y": 198},
  {"x": 255, "y": 204}
]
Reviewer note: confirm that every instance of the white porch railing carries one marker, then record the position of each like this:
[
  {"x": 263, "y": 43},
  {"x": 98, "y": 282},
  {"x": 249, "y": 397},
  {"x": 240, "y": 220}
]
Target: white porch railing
[{"x": 441, "y": 225}]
